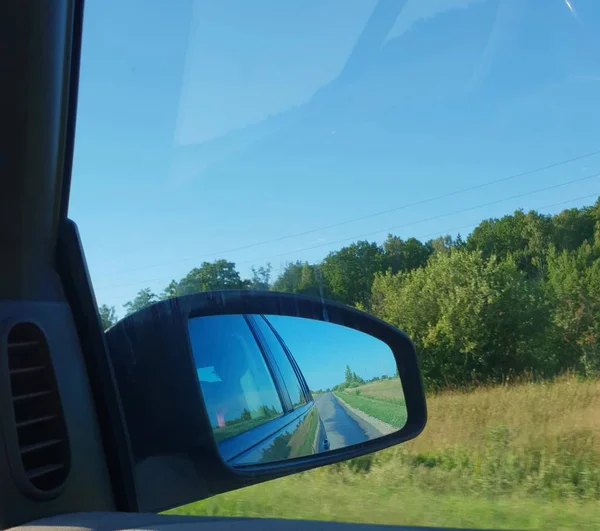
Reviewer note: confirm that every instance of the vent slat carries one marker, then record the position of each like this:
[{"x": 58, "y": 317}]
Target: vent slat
[
  {"x": 40, "y": 446},
  {"x": 43, "y": 470},
  {"x": 25, "y": 370},
  {"x": 45, "y": 418},
  {"x": 29, "y": 396},
  {"x": 23, "y": 344}
]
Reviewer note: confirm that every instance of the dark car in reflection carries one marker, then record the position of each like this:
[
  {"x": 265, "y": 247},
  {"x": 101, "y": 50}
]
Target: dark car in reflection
[{"x": 257, "y": 399}]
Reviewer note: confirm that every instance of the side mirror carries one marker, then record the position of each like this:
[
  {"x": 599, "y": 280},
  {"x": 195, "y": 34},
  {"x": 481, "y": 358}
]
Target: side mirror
[{"x": 221, "y": 390}]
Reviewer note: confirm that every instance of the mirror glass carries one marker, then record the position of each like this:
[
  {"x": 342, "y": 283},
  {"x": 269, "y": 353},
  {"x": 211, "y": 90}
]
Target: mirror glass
[{"x": 278, "y": 387}]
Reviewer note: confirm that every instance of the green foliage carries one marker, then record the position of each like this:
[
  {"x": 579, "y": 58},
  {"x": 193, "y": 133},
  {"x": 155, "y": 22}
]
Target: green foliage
[
  {"x": 108, "y": 316},
  {"x": 520, "y": 296},
  {"x": 349, "y": 272},
  {"x": 400, "y": 255},
  {"x": 472, "y": 319},
  {"x": 574, "y": 292},
  {"x": 216, "y": 275},
  {"x": 261, "y": 277},
  {"x": 525, "y": 237},
  {"x": 144, "y": 298},
  {"x": 302, "y": 278}
]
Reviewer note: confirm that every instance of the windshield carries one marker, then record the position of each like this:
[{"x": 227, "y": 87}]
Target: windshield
[{"x": 433, "y": 162}]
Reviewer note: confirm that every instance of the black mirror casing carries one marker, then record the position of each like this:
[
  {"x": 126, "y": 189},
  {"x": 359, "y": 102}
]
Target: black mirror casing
[{"x": 176, "y": 457}]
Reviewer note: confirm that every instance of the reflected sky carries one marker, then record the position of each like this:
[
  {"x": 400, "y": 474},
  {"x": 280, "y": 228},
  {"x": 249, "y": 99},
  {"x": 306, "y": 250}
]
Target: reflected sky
[{"x": 323, "y": 350}]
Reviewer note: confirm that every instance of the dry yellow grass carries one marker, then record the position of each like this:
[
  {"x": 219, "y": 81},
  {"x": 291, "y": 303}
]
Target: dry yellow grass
[
  {"x": 454, "y": 473},
  {"x": 534, "y": 413}
]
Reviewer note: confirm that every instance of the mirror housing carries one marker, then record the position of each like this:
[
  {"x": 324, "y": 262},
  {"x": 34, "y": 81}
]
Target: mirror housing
[{"x": 176, "y": 457}]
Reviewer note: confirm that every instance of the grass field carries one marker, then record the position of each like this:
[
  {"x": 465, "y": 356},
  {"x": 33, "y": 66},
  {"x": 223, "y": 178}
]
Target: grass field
[
  {"x": 510, "y": 457},
  {"x": 390, "y": 389}
]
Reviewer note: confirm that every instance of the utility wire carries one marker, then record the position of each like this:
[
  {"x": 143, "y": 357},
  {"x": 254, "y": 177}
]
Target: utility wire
[
  {"x": 432, "y": 218},
  {"x": 366, "y": 216},
  {"x": 421, "y": 236}
]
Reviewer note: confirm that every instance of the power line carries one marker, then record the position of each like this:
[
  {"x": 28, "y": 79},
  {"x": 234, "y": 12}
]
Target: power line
[
  {"x": 460, "y": 211},
  {"x": 366, "y": 216},
  {"x": 421, "y": 236},
  {"x": 364, "y": 234}
]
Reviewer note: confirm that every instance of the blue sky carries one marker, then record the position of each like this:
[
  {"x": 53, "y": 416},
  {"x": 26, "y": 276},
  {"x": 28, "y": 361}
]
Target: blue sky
[
  {"x": 206, "y": 128},
  {"x": 322, "y": 351}
]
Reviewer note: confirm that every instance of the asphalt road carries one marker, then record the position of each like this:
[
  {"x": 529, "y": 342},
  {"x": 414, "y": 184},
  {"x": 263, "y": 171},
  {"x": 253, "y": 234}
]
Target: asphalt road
[{"x": 343, "y": 428}]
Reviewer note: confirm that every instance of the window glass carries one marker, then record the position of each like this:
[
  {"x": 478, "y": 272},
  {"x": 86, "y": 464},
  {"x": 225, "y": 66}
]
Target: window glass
[
  {"x": 434, "y": 163},
  {"x": 238, "y": 389},
  {"x": 283, "y": 363}
]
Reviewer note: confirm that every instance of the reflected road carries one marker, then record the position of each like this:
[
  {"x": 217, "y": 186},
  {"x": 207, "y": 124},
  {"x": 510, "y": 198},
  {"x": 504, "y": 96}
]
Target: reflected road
[{"x": 343, "y": 428}]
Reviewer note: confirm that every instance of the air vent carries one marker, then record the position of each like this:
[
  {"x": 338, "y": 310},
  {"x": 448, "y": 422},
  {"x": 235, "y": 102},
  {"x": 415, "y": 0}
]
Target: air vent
[{"x": 41, "y": 433}]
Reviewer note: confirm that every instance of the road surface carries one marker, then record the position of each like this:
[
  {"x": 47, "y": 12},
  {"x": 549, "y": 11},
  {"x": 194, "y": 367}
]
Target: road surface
[{"x": 342, "y": 426}]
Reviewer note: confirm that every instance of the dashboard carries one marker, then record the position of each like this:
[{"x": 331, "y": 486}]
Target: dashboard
[{"x": 154, "y": 522}]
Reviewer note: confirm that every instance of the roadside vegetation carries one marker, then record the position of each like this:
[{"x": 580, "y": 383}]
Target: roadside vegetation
[
  {"x": 519, "y": 296},
  {"x": 516, "y": 456},
  {"x": 506, "y": 324}
]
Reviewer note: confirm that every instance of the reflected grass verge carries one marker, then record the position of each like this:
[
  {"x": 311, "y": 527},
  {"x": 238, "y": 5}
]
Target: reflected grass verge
[{"x": 392, "y": 411}]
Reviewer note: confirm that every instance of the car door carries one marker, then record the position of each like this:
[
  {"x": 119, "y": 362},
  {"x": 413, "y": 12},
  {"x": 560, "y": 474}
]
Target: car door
[
  {"x": 304, "y": 434},
  {"x": 256, "y": 404}
]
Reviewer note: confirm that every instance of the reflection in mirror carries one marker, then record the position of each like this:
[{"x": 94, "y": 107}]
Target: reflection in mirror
[{"x": 278, "y": 387}]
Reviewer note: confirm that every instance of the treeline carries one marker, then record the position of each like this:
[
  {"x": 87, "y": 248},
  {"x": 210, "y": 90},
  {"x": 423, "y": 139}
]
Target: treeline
[
  {"x": 521, "y": 295},
  {"x": 352, "y": 380}
]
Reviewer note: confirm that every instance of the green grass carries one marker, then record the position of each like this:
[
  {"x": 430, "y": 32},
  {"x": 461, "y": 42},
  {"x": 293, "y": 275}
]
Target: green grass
[
  {"x": 507, "y": 457},
  {"x": 392, "y": 411},
  {"x": 390, "y": 388},
  {"x": 358, "y": 499}
]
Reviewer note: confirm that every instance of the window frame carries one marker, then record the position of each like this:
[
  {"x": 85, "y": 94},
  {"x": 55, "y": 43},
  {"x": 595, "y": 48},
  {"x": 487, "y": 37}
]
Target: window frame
[
  {"x": 290, "y": 359},
  {"x": 283, "y": 398},
  {"x": 299, "y": 373},
  {"x": 241, "y": 443}
]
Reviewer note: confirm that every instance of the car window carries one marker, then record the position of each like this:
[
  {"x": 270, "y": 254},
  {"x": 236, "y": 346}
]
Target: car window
[
  {"x": 434, "y": 163},
  {"x": 238, "y": 389},
  {"x": 290, "y": 378}
]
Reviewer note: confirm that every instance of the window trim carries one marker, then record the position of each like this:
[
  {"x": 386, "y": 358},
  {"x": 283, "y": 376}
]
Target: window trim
[
  {"x": 276, "y": 383},
  {"x": 286, "y": 402},
  {"x": 300, "y": 380},
  {"x": 271, "y": 366},
  {"x": 299, "y": 373}
]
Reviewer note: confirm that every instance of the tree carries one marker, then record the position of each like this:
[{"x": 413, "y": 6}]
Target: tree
[
  {"x": 171, "y": 291},
  {"x": 525, "y": 237},
  {"x": 144, "y": 298},
  {"x": 108, "y": 316},
  {"x": 349, "y": 272},
  {"x": 210, "y": 276},
  {"x": 261, "y": 277},
  {"x": 289, "y": 280},
  {"x": 472, "y": 319},
  {"x": 348, "y": 374},
  {"x": 400, "y": 255},
  {"x": 572, "y": 227},
  {"x": 440, "y": 245},
  {"x": 574, "y": 294},
  {"x": 302, "y": 278}
]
